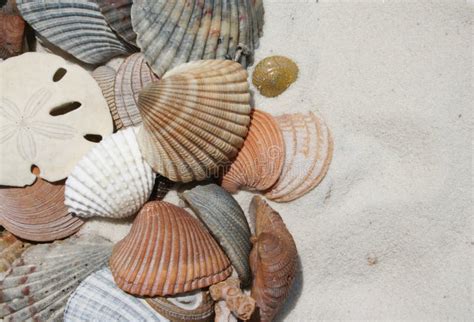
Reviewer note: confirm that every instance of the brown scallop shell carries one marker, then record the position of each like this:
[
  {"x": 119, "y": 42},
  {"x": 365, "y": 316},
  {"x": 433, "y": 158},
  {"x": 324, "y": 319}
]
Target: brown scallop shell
[
  {"x": 273, "y": 259},
  {"x": 260, "y": 160},
  {"x": 12, "y": 30},
  {"x": 167, "y": 252},
  {"x": 105, "y": 77}
]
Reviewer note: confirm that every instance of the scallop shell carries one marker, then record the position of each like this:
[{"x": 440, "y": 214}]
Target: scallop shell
[
  {"x": 112, "y": 180},
  {"x": 226, "y": 221},
  {"x": 167, "y": 252},
  {"x": 105, "y": 77},
  {"x": 260, "y": 161},
  {"x": 309, "y": 149},
  {"x": 195, "y": 119},
  {"x": 12, "y": 30},
  {"x": 274, "y": 74},
  {"x": 132, "y": 76},
  {"x": 117, "y": 14},
  {"x": 40, "y": 282},
  {"x": 273, "y": 259},
  {"x": 11, "y": 248},
  {"x": 75, "y": 26},
  {"x": 37, "y": 212}
]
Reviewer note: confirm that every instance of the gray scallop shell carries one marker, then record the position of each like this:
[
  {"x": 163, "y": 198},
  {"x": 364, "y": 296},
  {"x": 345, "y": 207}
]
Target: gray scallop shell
[
  {"x": 41, "y": 280},
  {"x": 75, "y": 26},
  {"x": 226, "y": 221},
  {"x": 117, "y": 15}
]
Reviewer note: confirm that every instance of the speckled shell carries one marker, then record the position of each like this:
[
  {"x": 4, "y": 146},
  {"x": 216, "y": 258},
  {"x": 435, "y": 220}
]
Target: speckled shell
[
  {"x": 98, "y": 298},
  {"x": 111, "y": 180},
  {"x": 12, "y": 29},
  {"x": 226, "y": 221},
  {"x": 273, "y": 260},
  {"x": 11, "y": 248},
  {"x": 132, "y": 76},
  {"x": 309, "y": 149},
  {"x": 195, "y": 119},
  {"x": 260, "y": 161},
  {"x": 274, "y": 74},
  {"x": 105, "y": 77},
  {"x": 167, "y": 252},
  {"x": 75, "y": 26},
  {"x": 37, "y": 212},
  {"x": 117, "y": 14},
  {"x": 41, "y": 280}
]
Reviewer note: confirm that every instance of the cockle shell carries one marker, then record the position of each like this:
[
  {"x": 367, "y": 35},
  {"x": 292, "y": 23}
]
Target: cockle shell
[
  {"x": 12, "y": 29},
  {"x": 10, "y": 249},
  {"x": 273, "y": 259},
  {"x": 132, "y": 76},
  {"x": 309, "y": 149},
  {"x": 240, "y": 304},
  {"x": 274, "y": 74},
  {"x": 105, "y": 77},
  {"x": 41, "y": 280},
  {"x": 195, "y": 119},
  {"x": 260, "y": 161},
  {"x": 117, "y": 14},
  {"x": 226, "y": 221},
  {"x": 167, "y": 252},
  {"x": 37, "y": 212},
  {"x": 44, "y": 119},
  {"x": 111, "y": 180},
  {"x": 75, "y": 26}
]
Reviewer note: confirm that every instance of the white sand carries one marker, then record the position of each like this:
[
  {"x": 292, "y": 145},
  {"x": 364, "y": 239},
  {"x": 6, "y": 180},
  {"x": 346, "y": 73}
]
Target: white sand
[{"x": 387, "y": 235}]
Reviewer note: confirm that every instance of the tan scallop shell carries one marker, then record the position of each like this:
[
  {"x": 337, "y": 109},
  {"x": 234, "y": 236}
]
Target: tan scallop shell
[
  {"x": 194, "y": 119},
  {"x": 167, "y": 252},
  {"x": 273, "y": 259},
  {"x": 274, "y": 74},
  {"x": 260, "y": 161},
  {"x": 105, "y": 77},
  {"x": 309, "y": 148}
]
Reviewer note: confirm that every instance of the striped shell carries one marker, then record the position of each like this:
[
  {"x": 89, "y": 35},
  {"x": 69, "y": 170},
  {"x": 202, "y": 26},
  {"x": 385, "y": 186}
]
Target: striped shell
[
  {"x": 105, "y": 77},
  {"x": 112, "y": 180},
  {"x": 41, "y": 280},
  {"x": 226, "y": 221},
  {"x": 167, "y": 252},
  {"x": 274, "y": 74},
  {"x": 12, "y": 30},
  {"x": 132, "y": 76},
  {"x": 117, "y": 14},
  {"x": 11, "y": 248},
  {"x": 37, "y": 212},
  {"x": 75, "y": 26},
  {"x": 177, "y": 31},
  {"x": 309, "y": 149},
  {"x": 273, "y": 259},
  {"x": 260, "y": 161},
  {"x": 194, "y": 119}
]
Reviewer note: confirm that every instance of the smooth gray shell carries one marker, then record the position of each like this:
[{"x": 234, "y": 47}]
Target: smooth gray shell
[{"x": 226, "y": 221}]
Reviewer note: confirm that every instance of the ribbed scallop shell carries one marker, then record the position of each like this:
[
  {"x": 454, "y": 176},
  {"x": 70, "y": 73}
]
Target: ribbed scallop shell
[
  {"x": 10, "y": 249},
  {"x": 75, "y": 26},
  {"x": 309, "y": 149},
  {"x": 117, "y": 14},
  {"x": 167, "y": 252},
  {"x": 195, "y": 119},
  {"x": 274, "y": 74},
  {"x": 41, "y": 280},
  {"x": 111, "y": 180},
  {"x": 273, "y": 260},
  {"x": 105, "y": 77},
  {"x": 226, "y": 221},
  {"x": 12, "y": 29},
  {"x": 133, "y": 75},
  {"x": 37, "y": 212},
  {"x": 260, "y": 161}
]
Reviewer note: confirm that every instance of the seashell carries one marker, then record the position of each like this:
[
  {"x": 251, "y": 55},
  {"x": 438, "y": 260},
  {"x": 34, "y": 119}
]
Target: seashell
[
  {"x": 161, "y": 188},
  {"x": 260, "y": 161},
  {"x": 111, "y": 180},
  {"x": 75, "y": 26},
  {"x": 309, "y": 149},
  {"x": 195, "y": 119},
  {"x": 41, "y": 280},
  {"x": 223, "y": 313},
  {"x": 274, "y": 74},
  {"x": 239, "y": 304},
  {"x": 105, "y": 77},
  {"x": 37, "y": 212},
  {"x": 10, "y": 249},
  {"x": 167, "y": 252},
  {"x": 44, "y": 120},
  {"x": 226, "y": 221},
  {"x": 117, "y": 14},
  {"x": 273, "y": 259},
  {"x": 12, "y": 30},
  {"x": 132, "y": 76}
]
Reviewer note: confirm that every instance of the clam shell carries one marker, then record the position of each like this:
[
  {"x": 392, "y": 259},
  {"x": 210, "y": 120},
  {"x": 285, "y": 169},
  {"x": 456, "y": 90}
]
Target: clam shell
[
  {"x": 117, "y": 14},
  {"x": 274, "y": 74},
  {"x": 195, "y": 119},
  {"x": 37, "y": 212},
  {"x": 167, "y": 252},
  {"x": 112, "y": 180},
  {"x": 309, "y": 149},
  {"x": 41, "y": 280},
  {"x": 75, "y": 26},
  {"x": 273, "y": 259},
  {"x": 105, "y": 77},
  {"x": 226, "y": 221},
  {"x": 10, "y": 249},
  {"x": 260, "y": 161},
  {"x": 132, "y": 76},
  {"x": 12, "y": 30}
]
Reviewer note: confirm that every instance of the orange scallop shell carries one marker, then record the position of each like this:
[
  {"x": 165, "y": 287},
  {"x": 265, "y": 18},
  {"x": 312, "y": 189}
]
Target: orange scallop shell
[{"x": 167, "y": 252}]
